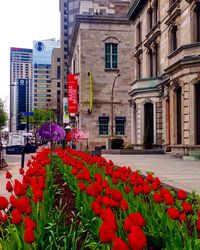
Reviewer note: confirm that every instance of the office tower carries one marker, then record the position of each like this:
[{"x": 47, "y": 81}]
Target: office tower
[
  {"x": 68, "y": 10},
  {"x": 42, "y": 54},
  {"x": 20, "y": 68}
]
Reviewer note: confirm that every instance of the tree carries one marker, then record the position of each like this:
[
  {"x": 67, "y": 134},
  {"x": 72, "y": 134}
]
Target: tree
[
  {"x": 3, "y": 115},
  {"x": 40, "y": 117}
]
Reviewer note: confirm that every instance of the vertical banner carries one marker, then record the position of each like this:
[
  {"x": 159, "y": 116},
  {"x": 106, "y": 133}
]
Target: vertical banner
[
  {"x": 65, "y": 110},
  {"x": 22, "y": 92},
  {"x": 72, "y": 85}
]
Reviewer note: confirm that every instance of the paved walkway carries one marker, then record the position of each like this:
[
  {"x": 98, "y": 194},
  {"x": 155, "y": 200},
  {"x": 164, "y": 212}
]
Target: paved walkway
[
  {"x": 174, "y": 172},
  {"x": 179, "y": 173},
  {"x": 14, "y": 164}
]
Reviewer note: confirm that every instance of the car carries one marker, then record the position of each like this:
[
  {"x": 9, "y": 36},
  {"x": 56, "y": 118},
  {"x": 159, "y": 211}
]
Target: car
[{"x": 4, "y": 143}]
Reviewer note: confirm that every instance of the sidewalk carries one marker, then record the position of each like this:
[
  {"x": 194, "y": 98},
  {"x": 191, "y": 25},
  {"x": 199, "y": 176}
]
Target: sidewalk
[
  {"x": 14, "y": 164},
  {"x": 174, "y": 172}
]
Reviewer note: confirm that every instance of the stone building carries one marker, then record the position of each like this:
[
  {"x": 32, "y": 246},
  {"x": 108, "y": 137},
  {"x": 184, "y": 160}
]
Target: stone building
[
  {"x": 101, "y": 57},
  {"x": 165, "y": 90}
]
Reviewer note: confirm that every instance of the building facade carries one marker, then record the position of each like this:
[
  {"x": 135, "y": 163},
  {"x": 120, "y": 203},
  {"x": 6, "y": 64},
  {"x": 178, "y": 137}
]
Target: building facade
[
  {"x": 20, "y": 68},
  {"x": 56, "y": 84},
  {"x": 68, "y": 10},
  {"x": 165, "y": 90},
  {"x": 42, "y": 55},
  {"x": 100, "y": 56}
]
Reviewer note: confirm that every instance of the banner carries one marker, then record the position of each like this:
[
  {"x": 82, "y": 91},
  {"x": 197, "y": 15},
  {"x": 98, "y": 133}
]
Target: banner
[
  {"x": 22, "y": 102},
  {"x": 65, "y": 110},
  {"x": 72, "y": 85}
]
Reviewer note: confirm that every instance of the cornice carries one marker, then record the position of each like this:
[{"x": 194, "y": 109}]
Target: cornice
[
  {"x": 135, "y": 9},
  {"x": 183, "y": 63}
]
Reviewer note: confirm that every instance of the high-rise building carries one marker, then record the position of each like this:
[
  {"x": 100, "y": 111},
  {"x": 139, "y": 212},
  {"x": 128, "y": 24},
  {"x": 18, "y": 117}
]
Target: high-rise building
[
  {"x": 20, "y": 68},
  {"x": 42, "y": 54},
  {"x": 55, "y": 83},
  {"x": 68, "y": 10}
]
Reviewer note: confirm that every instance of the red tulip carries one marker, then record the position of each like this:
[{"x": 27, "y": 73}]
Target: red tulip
[
  {"x": 9, "y": 186},
  {"x": 187, "y": 207},
  {"x": 106, "y": 233},
  {"x": 13, "y": 201},
  {"x": 137, "y": 219},
  {"x": 81, "y": 186},
  {"x": 157, "y": 198},
  {"x": 168, "y": 199},
  {"x": 29, "y": 235},
  {"x": 147, "y": 189},
  {"x": 198, "y": 224},
  {"x": 127, "y": 189},
  {"x": 116, "y": 195},
  {"x": 119, "y": 244},
  {"x": 16, "y": 216},
  {"x": 182, "y": 195},
  {"x": 150, "y": 178},
  {"x": 8, "y": 175},
  {"x": 182, "y": 217},
  {"x": 97, "y": 209},
  {"x": 21, "y": 171},
  {"x": 124, "y": 205},
  {"x": 173, "y": 213},
  {"x": 3, "y": 203},
  {"x": 29, "y": 223},
  {"x": 137, "y": 238}
]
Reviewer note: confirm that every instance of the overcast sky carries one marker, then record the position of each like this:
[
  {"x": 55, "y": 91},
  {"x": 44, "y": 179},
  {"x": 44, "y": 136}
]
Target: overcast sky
[{"x": 21, "y": 22}]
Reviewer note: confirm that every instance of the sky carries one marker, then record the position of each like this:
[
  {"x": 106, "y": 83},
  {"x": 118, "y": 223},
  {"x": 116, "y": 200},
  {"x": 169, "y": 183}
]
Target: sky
[{"x": 21, "y": 22}]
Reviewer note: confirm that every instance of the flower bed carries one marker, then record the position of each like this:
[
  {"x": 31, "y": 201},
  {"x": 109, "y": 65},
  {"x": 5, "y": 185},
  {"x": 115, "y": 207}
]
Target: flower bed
[{"x": 73, "y": 200}]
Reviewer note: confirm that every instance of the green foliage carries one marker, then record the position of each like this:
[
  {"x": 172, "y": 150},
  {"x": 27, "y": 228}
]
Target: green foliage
[
  {"x": 129, "y": 146},
  {"x": 40, "y": 117},
  {"x": 3, "y": 115}
]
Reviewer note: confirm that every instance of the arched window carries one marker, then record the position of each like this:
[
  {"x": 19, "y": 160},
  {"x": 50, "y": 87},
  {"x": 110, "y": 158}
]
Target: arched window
[
  {"x": 111, "y": 53},
  {"x": 179, "y": 114}
]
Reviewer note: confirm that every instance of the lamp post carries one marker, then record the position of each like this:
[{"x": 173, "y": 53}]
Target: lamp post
[{"x": 112, "y": 98}]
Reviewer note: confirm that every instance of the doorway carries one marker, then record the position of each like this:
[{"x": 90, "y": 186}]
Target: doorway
[{"x": 148, "y": 122}]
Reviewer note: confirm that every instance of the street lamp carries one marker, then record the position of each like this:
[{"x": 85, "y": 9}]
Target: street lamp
[{"x": 112, "y": 98}]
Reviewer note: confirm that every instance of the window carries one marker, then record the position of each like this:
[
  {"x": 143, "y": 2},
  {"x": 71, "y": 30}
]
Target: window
[
  {"x": 156, "y": 59},
  {"x": 138, "y": 28},
  {"x": 174, "y": 38},
  {"x": 120, "y": 125},
  {"x": 156, "y": 12},
  {"x": 58, "y": 59},
  {"x": 197, "y": 22},
  {"x": 111, "y": 56},
  {"x": 150, "y": 18},
  {"x": 150, "y": 63},
  {"x": 103, "y": 125},
  {"x": 138, "y": 68}
]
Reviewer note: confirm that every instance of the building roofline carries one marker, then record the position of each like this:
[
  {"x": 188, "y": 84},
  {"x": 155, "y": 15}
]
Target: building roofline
[
  {"x": 135, "y": 9},
  {"x": 95, "y": 19}
]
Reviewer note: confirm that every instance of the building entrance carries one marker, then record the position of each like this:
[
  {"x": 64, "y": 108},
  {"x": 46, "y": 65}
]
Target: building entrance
[
  {"x": 197, "y": 108},
  {"x": 148, "y": 121}
]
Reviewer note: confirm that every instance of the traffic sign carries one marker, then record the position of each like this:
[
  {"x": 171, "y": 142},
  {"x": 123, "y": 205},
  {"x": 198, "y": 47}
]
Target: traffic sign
[{"x": 27, "y": 113}]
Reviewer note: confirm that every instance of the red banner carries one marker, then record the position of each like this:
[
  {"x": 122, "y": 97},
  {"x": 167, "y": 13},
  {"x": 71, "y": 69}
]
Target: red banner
[{"x": 72, "y": 84}]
